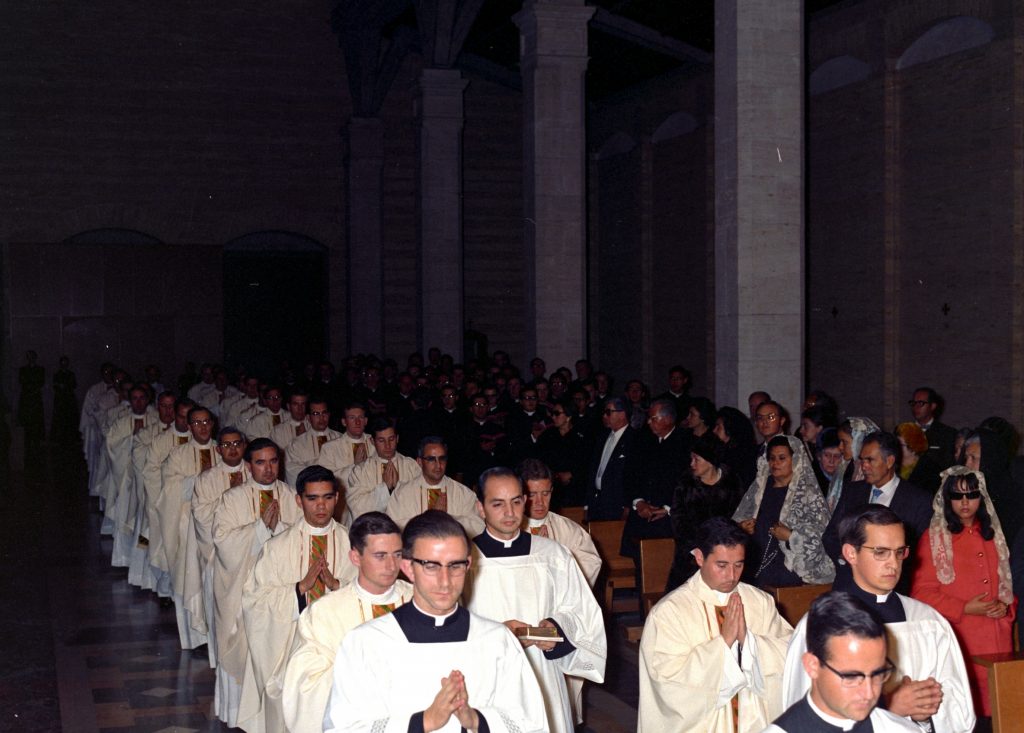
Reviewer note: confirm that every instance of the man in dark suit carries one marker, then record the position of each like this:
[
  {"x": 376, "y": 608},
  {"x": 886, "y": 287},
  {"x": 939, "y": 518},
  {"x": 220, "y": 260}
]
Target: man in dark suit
[
  {"x": 926, "y": 406},
  {"x": 663, "y": 455},
  {"x": 879, "y": 460},
  {"x": 611, "y": 465}
]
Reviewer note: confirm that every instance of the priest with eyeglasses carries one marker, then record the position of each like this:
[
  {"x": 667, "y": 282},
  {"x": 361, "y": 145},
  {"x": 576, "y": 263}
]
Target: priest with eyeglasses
[
  {"x": 929, "y": 684},
  {"x": 847, "y": 663},
  {"x": 432, "y": 665}
]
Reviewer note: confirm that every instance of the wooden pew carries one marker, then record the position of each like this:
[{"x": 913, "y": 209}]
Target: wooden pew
[
  {"x": 656, "y": 556},
  {"x": 575, "y": 513},
  {"x": 1005, "y": 689},
  {"x": 795, "y": 601},
  {"x": 617, "y": 571}
]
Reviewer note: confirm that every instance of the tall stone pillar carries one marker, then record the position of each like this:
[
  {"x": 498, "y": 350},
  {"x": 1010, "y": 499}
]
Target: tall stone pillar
[
  {"x": 554, "y": 59},
  {"x": 441, "y": 121},
  {"x": 759, "y": 200},
  {"x": 365, "y": 242}
]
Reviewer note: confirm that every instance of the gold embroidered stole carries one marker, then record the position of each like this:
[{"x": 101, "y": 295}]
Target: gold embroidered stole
[{"x": 317, "y": 548}]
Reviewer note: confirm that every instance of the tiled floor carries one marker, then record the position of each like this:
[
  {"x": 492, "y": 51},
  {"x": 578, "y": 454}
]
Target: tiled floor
[{"x": 87, "y": 653}]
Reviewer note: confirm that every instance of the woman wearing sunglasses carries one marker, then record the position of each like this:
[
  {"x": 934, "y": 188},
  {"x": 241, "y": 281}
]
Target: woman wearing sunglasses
[{"x": 964, "y": 572}]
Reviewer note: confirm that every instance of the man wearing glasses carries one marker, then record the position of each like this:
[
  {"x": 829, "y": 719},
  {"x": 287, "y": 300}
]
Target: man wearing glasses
[
  {"x": 178, "y": 476},
  {"x": 432, "y": 489},
  {"x": 431, "y": 664},
  {"x": 929, "y": 685},
  {"x": 925, "y": 405},
  {"x": 525, "y": 581},
  {"x": 879, "y": 460},
  {"x": 610, "y": 466},
  {"x": 304, "y": 450},
  {"x": 847, "y": 664}
]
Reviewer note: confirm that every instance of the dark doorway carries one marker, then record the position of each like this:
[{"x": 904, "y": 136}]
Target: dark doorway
[{"x": 275, "y": 302}]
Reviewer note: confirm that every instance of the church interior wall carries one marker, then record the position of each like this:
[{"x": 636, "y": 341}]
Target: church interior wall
[{"x": 494, "y": 271}]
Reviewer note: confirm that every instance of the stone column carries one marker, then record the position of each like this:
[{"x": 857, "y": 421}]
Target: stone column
[
  {"x": 554, "y": 59},
  {"x": 759, "y": 201},
  {"x": 365, "y": 245},
  {"x": 441, "y": 121}
]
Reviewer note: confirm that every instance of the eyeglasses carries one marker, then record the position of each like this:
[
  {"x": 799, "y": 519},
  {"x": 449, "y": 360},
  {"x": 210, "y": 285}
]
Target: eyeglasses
[
  {"x": 232, "y": 443},
  {"x": 771, "y": 417},
  {"x": 480, "y": 404},
  {"x": 454, "y": 568},
  {"x": 856, "y": 679},
  {"x": 207, "y": 421},
  {"x": 320, "y": 413},
  {"x": 884, "y": 553},
  {"x": 969, "y": 495},
  {"x": 917, "y": 403}
]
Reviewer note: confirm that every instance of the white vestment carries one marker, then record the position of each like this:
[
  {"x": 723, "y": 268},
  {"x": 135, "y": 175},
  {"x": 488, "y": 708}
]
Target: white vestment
[
  {"x": 152, "y": 477},
  {"x": 304, "y": 451},
  {"x": 882, "y": 721},
  {"x": 923, "y": 646},
  {"x": 238, "y": 535},
  {"x": 286, "y": 432},
  {"x": 210, "y": 487},
  {"x": 576, "y": 539},
  {"x": 321, "y": 627},
  {"x": 366, "y": 490},
  {"x": 121, "y": 497},
  {"x": 546, "y": 583},
  {"x": 140, "y": 570},
  {"x": 200, "y": 391},
  {"x": 91, "y": 436},
  {"x": 108, "y": 410},
  {"x": 239, "y": 411},
  {"x": 411, "y": 498},
  {"x": 174, "y": 509},
  {"x": 688, "y": 676},
  {"x": 381, "y": 678},
  {"x": 270, "y": 608},
  {"x": 339, "y": 455},
  {"x": 262, "y": 422}
]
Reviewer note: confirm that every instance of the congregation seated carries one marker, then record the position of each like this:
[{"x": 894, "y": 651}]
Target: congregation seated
[{"x": 191, "y": 514}]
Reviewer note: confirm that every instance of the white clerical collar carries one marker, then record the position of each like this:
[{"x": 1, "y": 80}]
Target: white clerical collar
[
  {"x": 675, "y": 394},
  {"x": 925, "y": 426},
  {"x": 536, "y": 522},
  {"x": 438, "y": 620},
  {"x": 838, "y": 722},
  {"x": 296, "y": 423},
  {"x": 353, "y": 438},
  {"x": 317, "y": 531},
  {"x": 506, "y": 543},
  {"x": 319, "y": 433},
  {"x": 721, "y": 598},
  {"x": 182, "y": 433},
  {"x": 880, "y": 598},
  {"x": 529, "y": 413},
  {"x": 374, "y": 598}
]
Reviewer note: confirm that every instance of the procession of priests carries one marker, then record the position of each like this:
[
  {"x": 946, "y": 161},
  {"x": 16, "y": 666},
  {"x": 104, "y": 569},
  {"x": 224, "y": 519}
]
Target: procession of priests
[{"x": 353, "y": 555}]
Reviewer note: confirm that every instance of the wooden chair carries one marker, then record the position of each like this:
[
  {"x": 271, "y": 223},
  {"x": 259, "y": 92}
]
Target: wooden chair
[
  {"x": 617, "y": 571},
  {"x": 656, "y": 557},
  {"x": 575, "y": 513},
  {"x": 795, "y": 601},
  {"x": 1005, "y": 682}
]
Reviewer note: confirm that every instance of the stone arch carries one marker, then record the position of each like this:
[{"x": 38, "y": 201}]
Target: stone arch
[
  {"x": 837, "y": 72},
  {"x": 675, "y": 125},
  {"x": 945, "y": 38}
]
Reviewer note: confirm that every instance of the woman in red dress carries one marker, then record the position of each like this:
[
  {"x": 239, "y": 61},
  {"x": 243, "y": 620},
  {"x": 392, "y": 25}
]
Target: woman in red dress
[{"x": 964, "y": 572}]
